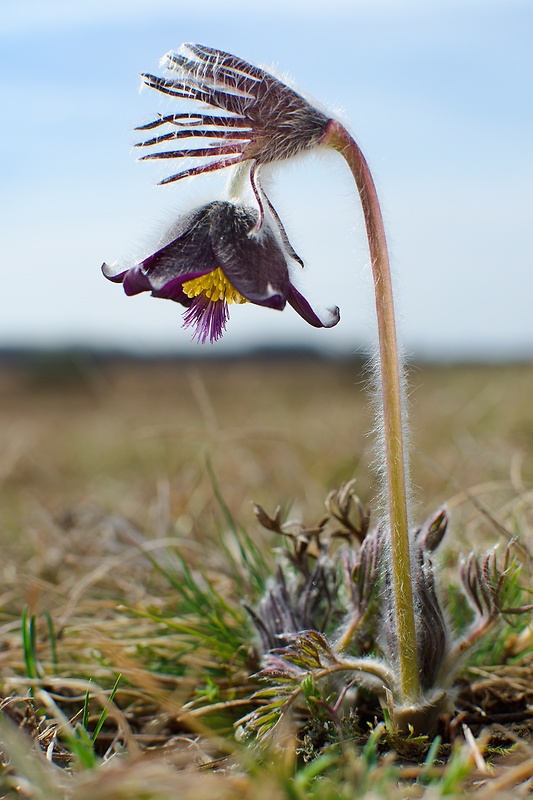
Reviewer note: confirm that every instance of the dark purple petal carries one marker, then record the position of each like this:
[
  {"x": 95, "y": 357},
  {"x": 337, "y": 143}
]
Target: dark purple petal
[
  {"x": 115, "y": 277},
  {"x": 254, "y": 264},
  {"x": 188, "y": 255},
  {"x": 173, "y": 290},
  {"x": 133, "y": 280},
  {"x": 302, "y": 307},
  {"x": 222, "y": 236}
]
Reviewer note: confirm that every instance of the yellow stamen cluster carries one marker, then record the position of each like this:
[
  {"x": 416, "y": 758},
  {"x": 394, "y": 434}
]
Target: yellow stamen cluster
[{"x": 215, "y": 286}]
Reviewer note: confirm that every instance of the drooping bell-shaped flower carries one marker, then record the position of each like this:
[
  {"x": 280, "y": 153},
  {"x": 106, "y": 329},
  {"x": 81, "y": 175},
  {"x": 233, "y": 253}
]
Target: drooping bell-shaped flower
[{"x": 214, "y": 257}]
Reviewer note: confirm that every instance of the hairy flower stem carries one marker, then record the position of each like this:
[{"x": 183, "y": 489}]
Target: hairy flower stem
[{"x": 339, "y": 139}]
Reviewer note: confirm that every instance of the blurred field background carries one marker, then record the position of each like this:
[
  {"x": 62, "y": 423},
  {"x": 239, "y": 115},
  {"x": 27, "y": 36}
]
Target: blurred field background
[
  {"x": 133, "y": 437},
  {"x": 104, "y": 456}
]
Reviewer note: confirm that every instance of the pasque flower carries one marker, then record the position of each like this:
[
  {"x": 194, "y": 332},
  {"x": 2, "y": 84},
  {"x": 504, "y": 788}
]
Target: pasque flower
[
  {"x": 233, "y": 114},
  {"x": 213, "y": 257},
  {"x": 225, "y": 253}
]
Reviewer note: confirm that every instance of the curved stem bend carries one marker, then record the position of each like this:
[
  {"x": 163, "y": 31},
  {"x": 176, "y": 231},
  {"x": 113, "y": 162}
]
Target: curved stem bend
[{"x": 337, "y": 137}]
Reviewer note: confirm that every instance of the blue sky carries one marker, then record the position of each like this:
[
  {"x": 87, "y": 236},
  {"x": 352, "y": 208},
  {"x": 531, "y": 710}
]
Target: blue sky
[{"x": 438, "y": 94}]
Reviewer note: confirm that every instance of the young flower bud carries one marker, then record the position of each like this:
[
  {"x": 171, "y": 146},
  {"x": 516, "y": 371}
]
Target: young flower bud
[{"x": 262, "y": 120}]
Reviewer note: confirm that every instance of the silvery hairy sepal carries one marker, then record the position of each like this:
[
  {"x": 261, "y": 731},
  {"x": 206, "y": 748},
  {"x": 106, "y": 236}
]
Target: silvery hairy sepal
[
  {"x": 362, "y": 570},
  {"x": 293, "y": 603},
  {"x": 432, "y": 634},
  {"x": 295, "y": 642}
]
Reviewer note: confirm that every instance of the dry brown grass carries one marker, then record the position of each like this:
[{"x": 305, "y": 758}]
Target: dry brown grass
[
  {"x": 99, "y": 456},
  {"x": 132, "y": 439}
]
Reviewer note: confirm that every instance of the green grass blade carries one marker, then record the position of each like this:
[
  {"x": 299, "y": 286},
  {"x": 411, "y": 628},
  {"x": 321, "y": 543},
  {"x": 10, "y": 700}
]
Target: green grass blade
[
  {"x": 28, "y": 643},
  {"x": 103, "y": 715},
  {"x": 85, "y": 712}
]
